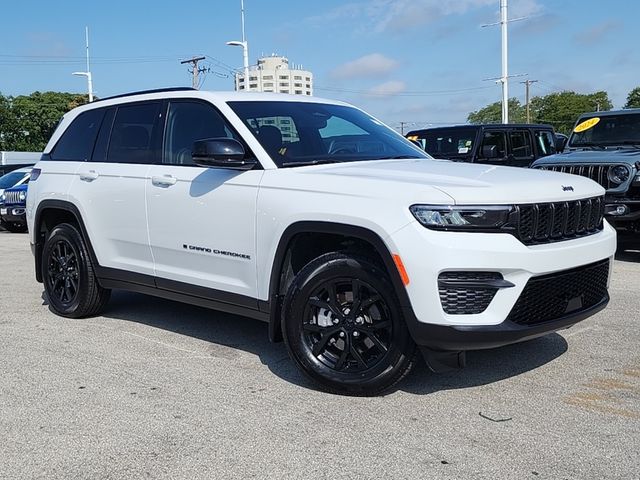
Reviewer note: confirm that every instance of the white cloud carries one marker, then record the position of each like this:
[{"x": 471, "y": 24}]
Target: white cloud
[
  {"x": 398, "y": 15},
  {"x": 392, "y": 87},
  {"x": 594, "y": 34},
  {"x": 374, "y": 64}
]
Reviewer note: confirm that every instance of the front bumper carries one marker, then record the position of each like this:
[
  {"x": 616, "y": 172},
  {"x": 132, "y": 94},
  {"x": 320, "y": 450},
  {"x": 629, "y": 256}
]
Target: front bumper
[
  {"x": 479, "y": 337},
  {"x": 13, "y": 214},
  {"x": 426, "y": 254}
]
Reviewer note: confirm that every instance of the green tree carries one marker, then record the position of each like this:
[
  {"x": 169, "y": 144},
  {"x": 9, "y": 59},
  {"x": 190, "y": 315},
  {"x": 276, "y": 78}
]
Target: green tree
[
  {"x": 563, "y": 108},
  {"x": 493, "y": 113},
  {"x": 27, "y": 121},
  {"x": 633, "y": 99}
]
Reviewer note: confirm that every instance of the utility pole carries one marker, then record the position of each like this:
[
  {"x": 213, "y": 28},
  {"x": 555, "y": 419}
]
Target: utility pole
[
  {"x": 504, "y": 78},
  {"x": 527, "y": 84},
  {"x": 195, "y": 70},
  {"x": 402, "y": 124},
  {"x": 505, "y": 62},
  {"x": 88, "y": 72}
]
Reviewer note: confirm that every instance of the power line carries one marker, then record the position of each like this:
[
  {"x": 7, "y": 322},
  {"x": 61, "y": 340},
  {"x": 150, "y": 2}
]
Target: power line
[{"x": 416, "y": 93}]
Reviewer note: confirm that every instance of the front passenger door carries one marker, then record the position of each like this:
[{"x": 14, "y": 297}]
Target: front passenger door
[{"x": 202, "y": 221}]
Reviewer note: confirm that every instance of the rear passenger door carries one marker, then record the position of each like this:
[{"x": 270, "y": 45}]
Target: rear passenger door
[
  {"x": 201, "y": 220},
  {"x": 110, "y": 188}
]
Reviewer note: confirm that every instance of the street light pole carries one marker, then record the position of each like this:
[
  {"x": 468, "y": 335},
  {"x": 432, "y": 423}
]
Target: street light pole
[
  {"x": 245, "y": 48},
  {"x": 88, "y": 72}
]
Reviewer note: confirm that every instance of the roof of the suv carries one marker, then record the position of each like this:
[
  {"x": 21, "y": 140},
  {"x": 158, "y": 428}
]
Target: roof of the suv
[
  {"x": 611, "y": 112},
  {"x": 220, "y": 96}
]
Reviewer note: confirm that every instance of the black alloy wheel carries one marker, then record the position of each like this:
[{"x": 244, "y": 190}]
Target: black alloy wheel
[
  {"x": 63, "y": 273},
  {"x": 347, "y": 325},
  {"x": 68, "y": 275},
  {"x": 344, "y": 328}
]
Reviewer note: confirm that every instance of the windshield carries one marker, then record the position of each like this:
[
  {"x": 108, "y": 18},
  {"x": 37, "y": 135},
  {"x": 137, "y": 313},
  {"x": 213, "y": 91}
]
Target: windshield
[
  {"x": 446, "y": 142},
  {"x": 299, "y": 133},
  {"x": 10, "y": 179},
  {"x": 607, "y": 130}
]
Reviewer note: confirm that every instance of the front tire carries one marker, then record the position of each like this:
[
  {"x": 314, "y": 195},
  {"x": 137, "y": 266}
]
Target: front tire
[
  {"x": 343, "y": 326},
  {"x": 69, "y": 279}
]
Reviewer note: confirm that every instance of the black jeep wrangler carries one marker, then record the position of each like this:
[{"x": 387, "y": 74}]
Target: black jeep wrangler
[
  {"x": 516, "y": 145},
  {"x": 605, "y": 146}
]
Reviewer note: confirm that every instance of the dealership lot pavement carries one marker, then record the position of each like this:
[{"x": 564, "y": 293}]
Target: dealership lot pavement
[{"x": 157, "y": 389}]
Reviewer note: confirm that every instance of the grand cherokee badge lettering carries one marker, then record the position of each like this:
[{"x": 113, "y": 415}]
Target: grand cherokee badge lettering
[
  {"x": 195, "y": 248},
  {"x": 567, "y": 188}
]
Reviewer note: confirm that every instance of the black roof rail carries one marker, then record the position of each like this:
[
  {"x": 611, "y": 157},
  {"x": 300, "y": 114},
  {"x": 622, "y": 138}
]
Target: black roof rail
[{"x": 142, "y": 92}]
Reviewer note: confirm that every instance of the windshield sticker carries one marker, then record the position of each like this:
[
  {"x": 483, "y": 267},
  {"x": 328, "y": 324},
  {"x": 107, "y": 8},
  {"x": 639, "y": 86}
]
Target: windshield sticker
[
  {"x": 586, "y": 125},
  {"x": 463, "y": 149}
]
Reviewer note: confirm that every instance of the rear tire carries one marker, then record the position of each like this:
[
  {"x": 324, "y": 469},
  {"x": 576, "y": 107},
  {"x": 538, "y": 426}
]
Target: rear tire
[
  {"x": 343, "y": 326},
  {"x": 68, "y": 276}
]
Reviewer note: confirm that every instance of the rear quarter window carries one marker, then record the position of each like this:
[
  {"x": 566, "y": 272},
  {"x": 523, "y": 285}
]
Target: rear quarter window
[{"x": 76, "y": 143}]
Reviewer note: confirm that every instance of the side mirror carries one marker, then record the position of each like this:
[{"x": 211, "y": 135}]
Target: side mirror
[
  {"x": 489, "y": 151},
  {"x": 221, "y": 153},
  {"x": 561, "y": 142}
]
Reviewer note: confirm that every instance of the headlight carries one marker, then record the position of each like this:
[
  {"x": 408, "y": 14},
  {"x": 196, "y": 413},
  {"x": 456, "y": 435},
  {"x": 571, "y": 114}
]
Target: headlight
[
  {"x": 447, "y": 217},
  {"x": 2, "y": 198},
  {"x": 22, "y": 196},
  {"x": 618, "y": 174}
]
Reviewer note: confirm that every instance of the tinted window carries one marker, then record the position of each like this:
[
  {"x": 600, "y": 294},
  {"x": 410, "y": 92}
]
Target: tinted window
[
  {"x": 546, "y": 142},
  {"x": 496, "y": 140},
  {"x": 520, "y": 144},
  {"x": 134, "y": 130},
  {"x": 186, "y": 123},
  {"x": 77, "y": 141},
  {"x": 446, "y": 143},
  {"x": 319, "y": 132},
  {"x": 102, "y": 142},
  {"x": 10, "y": 179}
]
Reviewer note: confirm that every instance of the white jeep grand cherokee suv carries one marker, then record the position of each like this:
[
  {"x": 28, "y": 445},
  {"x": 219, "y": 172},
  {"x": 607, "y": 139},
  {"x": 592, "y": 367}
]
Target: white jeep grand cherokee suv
[{"x": 354, "y": 245}]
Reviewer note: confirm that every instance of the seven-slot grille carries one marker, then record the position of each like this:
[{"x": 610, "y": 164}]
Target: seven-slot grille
[
  {"x": 597, "y": 173},
  {"x": 12, "y": 197},
  {"x": 553, "y": 222},
  {"x": 550, "y": 297}
]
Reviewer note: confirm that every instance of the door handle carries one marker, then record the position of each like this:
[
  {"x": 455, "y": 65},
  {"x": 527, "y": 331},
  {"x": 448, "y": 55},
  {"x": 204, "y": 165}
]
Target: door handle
[
  {"x": 164, "y": 181},
  {"x": 89, "y": 176}
]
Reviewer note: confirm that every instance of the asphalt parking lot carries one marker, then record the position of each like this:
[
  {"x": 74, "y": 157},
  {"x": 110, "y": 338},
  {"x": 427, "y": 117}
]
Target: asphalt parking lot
[{"x": 157, "y": 389}]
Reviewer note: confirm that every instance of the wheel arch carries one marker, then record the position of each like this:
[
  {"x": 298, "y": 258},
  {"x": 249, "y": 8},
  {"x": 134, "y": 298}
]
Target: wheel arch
[
  {"x": 50, "y": 213},
  {"x": 341, "y": 233}
]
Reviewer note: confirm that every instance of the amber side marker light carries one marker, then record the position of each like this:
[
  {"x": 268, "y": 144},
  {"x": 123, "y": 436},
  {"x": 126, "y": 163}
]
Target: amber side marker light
[{"x": 401, "y": 270}]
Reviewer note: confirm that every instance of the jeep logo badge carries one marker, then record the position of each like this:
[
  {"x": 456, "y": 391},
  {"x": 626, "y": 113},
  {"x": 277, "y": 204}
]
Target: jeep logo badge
[{"x": 567, "y": 188}]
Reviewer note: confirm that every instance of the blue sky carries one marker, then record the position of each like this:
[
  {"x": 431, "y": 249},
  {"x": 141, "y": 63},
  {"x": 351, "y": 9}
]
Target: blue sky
[{"x": 416, "y": 61}]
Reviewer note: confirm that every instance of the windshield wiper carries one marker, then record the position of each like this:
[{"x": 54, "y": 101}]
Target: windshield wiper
[
  {"x": 633, "y": 143},
  {"x": 320, "y": 161}
]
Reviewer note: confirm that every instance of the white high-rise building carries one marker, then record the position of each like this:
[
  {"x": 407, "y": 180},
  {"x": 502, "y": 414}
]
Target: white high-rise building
[{"x": 272, "y": 74}]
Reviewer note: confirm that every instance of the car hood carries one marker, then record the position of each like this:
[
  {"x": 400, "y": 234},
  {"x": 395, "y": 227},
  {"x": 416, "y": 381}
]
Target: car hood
[
  {"x": 624, "y": 155},
  {"x": 464, "y": 183}
]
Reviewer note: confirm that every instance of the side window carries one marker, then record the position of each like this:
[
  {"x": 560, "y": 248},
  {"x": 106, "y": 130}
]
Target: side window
[
  {"x": 496, "y": 140},
  {"x": 132, "y": 136},
  {"x": 520, "y": 144},
  {"x": 102, "y": 142},
  {"x": 186, "y": 123},
  {"x": 546, "y": 142},
  {"x": 76, "y": 143}
]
